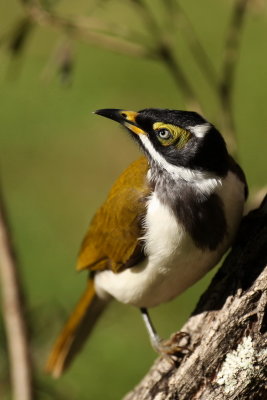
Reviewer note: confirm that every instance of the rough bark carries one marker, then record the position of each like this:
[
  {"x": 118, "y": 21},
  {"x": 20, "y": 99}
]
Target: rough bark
[{"x": 228, "y": 330}]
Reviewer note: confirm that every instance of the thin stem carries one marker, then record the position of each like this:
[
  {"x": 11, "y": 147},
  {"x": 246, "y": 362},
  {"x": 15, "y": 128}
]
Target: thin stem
[
  {"x": 166, "y": 55},
  {"x": 194, "y": 44},
  {"x": 160, "y": 50},
  {"x": 229, "y": 65},
  {"x": 13, "y": 307},
  {"x": 79, "y": 29}
]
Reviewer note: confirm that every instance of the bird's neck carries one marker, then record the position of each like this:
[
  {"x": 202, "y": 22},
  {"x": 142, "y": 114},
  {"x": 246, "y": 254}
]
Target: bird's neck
[
  {"x": 192, "y": 197},
  {"x": 201, "y": 183}
]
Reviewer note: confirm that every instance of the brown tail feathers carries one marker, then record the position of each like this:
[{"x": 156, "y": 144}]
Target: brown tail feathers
[{"x": 76, "y": 331}]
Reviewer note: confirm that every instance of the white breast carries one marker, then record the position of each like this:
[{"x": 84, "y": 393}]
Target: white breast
[
  {"x": 173, "y": 261},
  {"x": 164, "y": 236}
]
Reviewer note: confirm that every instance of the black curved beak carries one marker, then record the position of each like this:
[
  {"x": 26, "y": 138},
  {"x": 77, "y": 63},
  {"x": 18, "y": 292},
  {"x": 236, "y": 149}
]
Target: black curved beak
[
  {"x": 111, "y": 113},
  {"x": 124, "y": 117}
]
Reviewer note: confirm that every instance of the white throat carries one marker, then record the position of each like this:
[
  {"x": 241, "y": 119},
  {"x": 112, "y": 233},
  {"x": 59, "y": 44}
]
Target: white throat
[{"x": 206, "y": 182}]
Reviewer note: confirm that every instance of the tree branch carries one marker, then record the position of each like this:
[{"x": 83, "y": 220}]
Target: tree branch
[
  {"x": 13, "y": 307},
  {"x": 228, "y": 330}
]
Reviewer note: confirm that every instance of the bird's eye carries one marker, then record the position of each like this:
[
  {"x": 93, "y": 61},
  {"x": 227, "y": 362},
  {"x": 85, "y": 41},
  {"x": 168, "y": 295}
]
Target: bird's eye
[{"x": 164, "y": 134}]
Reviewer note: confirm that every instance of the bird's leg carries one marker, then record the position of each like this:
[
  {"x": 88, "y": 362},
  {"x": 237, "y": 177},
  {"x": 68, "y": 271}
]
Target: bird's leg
[
  {"x": 166, "y": 347},
  {"x": 152, "y": 333}
]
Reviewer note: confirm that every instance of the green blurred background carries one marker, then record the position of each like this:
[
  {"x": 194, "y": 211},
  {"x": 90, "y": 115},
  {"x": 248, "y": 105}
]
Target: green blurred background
[{"x": 58, "y": 161}]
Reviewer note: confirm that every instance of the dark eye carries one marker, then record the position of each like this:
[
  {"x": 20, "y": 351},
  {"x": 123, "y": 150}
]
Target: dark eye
[{"x": 164, "y": 134}]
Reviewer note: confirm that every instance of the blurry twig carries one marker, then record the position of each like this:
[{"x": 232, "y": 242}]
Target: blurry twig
[
  {"x": 165, "y": 53},
  {"x": 184, "y": 24},
  {"x": 160, "y": 50},
  {"x": 167, "y": 57},
  {"x": 19, "y": 36},
  {"x": 160, "y": 47},
  {"x": 13, "y": 307},
  {"x": 229, "y": 65},
  {"x": 80, "y": 30}
]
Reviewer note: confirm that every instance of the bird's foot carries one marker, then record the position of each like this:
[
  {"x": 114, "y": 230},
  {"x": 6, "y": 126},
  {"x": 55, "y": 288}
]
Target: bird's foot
[
  {"x": 172, "y": 346},
  {"x": 169, "y": 347}
]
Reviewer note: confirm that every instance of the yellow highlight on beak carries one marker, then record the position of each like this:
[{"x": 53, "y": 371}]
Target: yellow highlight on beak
[
  {"x": 131, "y": 117},
  {"x": 135, "y": 129}
]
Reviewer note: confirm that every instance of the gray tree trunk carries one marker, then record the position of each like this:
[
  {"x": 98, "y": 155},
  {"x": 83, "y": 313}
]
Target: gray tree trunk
[{"x": 228, "y": 330}]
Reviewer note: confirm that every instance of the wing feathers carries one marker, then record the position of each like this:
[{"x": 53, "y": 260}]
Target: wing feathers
[{"x": 113, "y": 236}]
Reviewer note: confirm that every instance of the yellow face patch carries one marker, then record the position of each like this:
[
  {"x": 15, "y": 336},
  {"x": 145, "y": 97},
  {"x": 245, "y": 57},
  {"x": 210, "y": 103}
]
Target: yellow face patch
[{"x": 169, "y": 134}]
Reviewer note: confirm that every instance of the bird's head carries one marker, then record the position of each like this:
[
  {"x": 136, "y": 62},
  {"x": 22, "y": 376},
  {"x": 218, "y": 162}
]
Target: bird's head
[{"x": 175, "y": 138}]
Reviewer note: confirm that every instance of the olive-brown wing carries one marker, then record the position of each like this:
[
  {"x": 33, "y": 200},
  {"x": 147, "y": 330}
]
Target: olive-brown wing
[{"x": 112, "y": 240}]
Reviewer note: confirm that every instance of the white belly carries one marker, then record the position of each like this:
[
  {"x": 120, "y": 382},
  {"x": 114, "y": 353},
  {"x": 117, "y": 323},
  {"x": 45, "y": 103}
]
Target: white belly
[{"x": 173, "y": 261}]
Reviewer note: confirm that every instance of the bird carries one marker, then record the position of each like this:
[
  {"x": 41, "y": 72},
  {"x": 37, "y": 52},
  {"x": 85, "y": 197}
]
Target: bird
[{"x": 167, "y": 220}]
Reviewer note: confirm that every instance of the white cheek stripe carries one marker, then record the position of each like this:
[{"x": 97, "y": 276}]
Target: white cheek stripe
[
  {"x": 206, "y": 182},
  {"x": 200, "y": 130}
]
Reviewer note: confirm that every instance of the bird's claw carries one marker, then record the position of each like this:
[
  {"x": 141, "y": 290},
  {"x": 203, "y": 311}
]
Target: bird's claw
[{"x": 172, "y": 346}]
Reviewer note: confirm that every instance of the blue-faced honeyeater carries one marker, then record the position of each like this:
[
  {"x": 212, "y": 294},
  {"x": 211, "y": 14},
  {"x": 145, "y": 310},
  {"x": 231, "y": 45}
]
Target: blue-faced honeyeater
[{"x": 167, "y": 220}]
